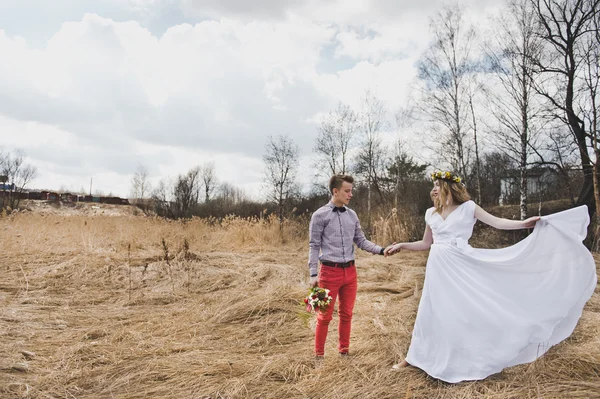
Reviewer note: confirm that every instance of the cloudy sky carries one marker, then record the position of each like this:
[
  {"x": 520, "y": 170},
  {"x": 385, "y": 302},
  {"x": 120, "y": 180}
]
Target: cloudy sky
[{"x": 92, "y": 88}]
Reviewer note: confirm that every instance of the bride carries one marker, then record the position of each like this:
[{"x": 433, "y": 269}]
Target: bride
[{"x": 483, "y": 310}]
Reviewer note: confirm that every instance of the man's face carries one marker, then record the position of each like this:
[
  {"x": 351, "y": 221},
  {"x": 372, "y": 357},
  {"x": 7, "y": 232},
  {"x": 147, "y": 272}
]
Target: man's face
[{"x": 344, "y": 194}]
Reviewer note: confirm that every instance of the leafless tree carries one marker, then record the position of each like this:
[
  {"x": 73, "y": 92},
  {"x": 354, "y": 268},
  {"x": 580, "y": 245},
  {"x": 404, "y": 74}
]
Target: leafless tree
[
  {"x": 371, "y": 152},
  {"x": 162, "y": 198},
  {"x": 178, "y": 199},
  {"x": 443, "y": 70},
  {"x": 281, "y": 162},
  {"x": 140, "y": 184},
  {"x": 209, "y": 180},
  {"x": 228, "y": 194},
  {"x": 566, "y": 26},
  {"x": 404, "y": 120},
  {"x": 514, "y": 46},
  {"x": 17, "y": 174},
  {"x": 474, "y": 88},
  {"x": 334, "y": 139},
  {"x": 591, "y": 111},
  {"x": 186, "y": 193}
]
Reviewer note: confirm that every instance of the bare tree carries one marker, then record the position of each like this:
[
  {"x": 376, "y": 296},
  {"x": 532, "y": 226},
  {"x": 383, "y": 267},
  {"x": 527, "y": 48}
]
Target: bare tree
[
  {"x": 512, "y": 50},
  {"x": 371, "y": 153},
  {"x": 404, "y": 120},
  {"x": 140, "y": 184},
  {"x": 474, "y": 88},
  {"x": 591, "y": 78},
  {"x": 334, "y": 139},
  {"x": 186, "y": 193},
  {"x": 178, "y": 199},
  {"x": 565, "y": 28},
  {"x": 230, "y": 195},
  {"x": 563, "y": 155},
  {"x": 443, "y": 71},
  {"x": 209, "y": 180},
  {"x": 162, "y": 198},
  {"x": 17, "y": 174},
  {"x": 281, "y": 162}
]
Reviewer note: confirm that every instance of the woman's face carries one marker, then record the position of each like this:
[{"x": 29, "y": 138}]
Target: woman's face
[{"x": 435, "y": 191}]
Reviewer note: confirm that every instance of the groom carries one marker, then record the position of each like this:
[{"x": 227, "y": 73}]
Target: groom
[{"x": 333, "y": 230}]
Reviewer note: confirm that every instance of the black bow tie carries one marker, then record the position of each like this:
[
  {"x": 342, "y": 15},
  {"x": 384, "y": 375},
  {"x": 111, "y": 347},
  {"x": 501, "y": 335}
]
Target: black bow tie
[{"x": 339, "y": 209}]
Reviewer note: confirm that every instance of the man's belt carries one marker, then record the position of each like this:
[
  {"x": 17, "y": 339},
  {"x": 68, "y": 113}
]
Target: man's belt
[{"x": 340, "y": 265}]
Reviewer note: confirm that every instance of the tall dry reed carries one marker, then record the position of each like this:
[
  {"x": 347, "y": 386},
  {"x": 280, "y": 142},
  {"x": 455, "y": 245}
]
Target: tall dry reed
[{"x": 89, "y": 309}]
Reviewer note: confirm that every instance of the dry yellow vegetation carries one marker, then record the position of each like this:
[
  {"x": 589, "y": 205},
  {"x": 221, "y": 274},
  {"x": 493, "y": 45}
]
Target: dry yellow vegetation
[{"x": 91, "y": 308}]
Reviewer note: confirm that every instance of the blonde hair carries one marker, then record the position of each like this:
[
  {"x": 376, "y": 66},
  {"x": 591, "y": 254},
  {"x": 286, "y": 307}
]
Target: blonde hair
[{"x": 448, "y": 189}]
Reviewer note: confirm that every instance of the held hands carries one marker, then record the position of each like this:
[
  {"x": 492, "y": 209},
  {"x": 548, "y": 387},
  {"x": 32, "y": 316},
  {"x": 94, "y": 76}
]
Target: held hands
[
  {"x": 392, "y": 249},
  {"x": 530, "y": 222}
]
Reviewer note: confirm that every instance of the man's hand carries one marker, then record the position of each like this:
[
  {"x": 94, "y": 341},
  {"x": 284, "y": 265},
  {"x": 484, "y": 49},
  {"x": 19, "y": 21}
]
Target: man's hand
[
  {"x": 314, "y": 281},
  {"x": 392, "y": 249}
]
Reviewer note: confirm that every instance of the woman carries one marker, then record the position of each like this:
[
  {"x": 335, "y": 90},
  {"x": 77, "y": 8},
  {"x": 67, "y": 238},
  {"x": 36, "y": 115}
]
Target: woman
[{"x": 483, "y": 310}]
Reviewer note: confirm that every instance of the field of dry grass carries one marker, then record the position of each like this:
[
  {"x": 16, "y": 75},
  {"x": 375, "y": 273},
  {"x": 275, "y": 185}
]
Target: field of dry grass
[{"x": 90, "y": 308}]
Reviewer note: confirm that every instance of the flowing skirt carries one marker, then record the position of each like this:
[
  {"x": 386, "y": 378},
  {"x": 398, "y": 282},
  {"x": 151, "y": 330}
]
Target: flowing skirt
[{"x": 483, "y": 310}]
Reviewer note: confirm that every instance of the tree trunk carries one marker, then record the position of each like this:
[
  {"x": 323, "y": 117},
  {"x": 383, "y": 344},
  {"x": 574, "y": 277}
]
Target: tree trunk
[
  {"x": 523, "y": 192},
  {"x": 597, "y": 203},
  {"x": 477, "y": 160},
  {"x": 369, "y": 207},
  {"x": 586, "y": 195},
  {"x": 595, "y": 171},
  {"x": 280, "y": 212}
]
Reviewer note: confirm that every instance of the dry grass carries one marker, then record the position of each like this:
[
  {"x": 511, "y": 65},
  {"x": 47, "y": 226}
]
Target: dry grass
[{"x": 106, "y": 317}]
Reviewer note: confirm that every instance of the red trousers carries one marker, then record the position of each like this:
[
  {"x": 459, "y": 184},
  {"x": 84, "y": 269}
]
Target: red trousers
[{"x": 342, "y": 284}]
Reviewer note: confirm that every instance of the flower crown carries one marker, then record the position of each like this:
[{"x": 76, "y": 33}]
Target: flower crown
[{"x": 448, "y": 176}]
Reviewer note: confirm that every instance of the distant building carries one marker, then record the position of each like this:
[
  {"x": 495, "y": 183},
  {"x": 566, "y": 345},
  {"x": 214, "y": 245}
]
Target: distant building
[
  {"x": 540, "y": 182},
  {"x": 49, "y": 196},
  {"x": 68, "y": 197}
]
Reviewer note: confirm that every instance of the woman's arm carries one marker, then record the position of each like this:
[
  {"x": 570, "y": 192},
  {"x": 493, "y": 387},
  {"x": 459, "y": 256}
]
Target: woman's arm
[
  {"x": 504, "y": 224},
  {"x": 422, "y": 245}
]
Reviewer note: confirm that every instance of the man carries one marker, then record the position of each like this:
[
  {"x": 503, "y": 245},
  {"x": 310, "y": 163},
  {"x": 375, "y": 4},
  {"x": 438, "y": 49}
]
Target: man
[{"x": 333, "y": 230}]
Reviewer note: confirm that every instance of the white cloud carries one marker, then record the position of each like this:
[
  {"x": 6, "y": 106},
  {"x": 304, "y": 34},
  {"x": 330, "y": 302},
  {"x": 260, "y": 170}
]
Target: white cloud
[{"x": 107, "y": 91}]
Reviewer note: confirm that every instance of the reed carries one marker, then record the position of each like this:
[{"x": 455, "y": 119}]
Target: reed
[{"x": 234, "y": 328}]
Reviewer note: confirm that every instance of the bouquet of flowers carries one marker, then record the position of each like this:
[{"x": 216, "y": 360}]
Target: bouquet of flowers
[{"x": 317, "y": 300}]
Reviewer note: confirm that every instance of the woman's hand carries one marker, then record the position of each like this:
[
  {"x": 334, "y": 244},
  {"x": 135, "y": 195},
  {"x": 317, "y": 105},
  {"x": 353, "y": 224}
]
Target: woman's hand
[
  {"x": 392, "y": 249},
  {"x": 530, "y": 222}
]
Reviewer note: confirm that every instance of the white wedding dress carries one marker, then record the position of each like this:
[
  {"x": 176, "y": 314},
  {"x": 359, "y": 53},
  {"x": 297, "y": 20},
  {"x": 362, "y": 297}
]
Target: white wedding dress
[{"x": 483, "y": 310}]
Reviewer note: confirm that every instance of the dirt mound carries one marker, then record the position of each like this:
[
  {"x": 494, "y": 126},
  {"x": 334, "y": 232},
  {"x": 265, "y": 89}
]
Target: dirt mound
[{"x": 78, "y": 208}]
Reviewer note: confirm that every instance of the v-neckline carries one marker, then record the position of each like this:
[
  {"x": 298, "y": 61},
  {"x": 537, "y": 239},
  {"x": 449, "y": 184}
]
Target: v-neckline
[{"x": 450, "y": 214}]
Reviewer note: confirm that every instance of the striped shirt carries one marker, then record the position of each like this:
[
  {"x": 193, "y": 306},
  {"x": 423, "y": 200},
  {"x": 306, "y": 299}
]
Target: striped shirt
[{"x": 333, "y": 234}]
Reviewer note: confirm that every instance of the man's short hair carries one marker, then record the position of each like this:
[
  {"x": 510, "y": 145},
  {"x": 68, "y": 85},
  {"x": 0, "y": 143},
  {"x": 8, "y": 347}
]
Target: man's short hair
[{"x": 336, "y": 181}]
